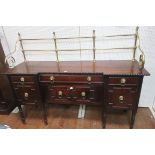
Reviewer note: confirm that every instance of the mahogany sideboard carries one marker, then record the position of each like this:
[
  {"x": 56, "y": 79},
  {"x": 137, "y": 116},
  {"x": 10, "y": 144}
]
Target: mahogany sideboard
[{"x": 111, "y": 84}]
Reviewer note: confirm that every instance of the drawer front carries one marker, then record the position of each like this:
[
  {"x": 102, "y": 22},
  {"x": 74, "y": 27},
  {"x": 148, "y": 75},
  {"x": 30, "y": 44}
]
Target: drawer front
[
  {"x": 77, "y": 93},
  {"x": 22, "y": 78},
  {"x": 24, "y": 85},
  {"x": 123, "y": 81},
  {"x": 70, "y": 78},
  {"x": 26, "y": 94},
  {"x": 122, "y": 97}
]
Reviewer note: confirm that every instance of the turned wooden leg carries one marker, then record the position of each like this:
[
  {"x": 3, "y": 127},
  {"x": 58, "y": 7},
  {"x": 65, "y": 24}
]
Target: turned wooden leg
[
  {"x": 21, "y": 114},
  {"x": 132, "y": 119},
  {"x": 125, "y": 111}
]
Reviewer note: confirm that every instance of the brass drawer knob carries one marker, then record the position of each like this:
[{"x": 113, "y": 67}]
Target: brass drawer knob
[
  {"x": 123, "y": 80},
  {"x": 52, "y": 78},
  {"x": 83, "y": 94},
  {"x": 60, "y": 93},
  {"x": 22, "y": 79},
  {"x": 121, "y": 98},
  {"x": 89, "y": 78},
  {"x": 71, "y": 88},
  {"x": 26, "y": 95}
]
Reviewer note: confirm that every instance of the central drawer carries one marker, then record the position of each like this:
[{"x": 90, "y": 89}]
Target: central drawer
[
  {"x": 70, "y": 78},
  {"x": 60, "y": 93}
]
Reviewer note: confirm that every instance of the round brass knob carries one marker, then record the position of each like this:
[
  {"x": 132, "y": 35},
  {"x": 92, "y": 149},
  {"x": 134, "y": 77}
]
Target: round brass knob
[
  {"x": 123, "y": 80},
  {"x": 83, "y": 94},
  {"x": 60, "y": 93},
  {"x": 22, "y": 79},
  {"x": 52, "y": 78},
  {"x": 89, "y": 78},
  {"x": 71, "y": 88},
  {"x": 26, "y": 95},
  {"x": 121, "y": 98}
]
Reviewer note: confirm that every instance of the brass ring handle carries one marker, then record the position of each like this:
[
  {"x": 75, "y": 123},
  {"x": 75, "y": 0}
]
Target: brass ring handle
[
  {"x": 22, "y": 79},
  {"x": 83, "y": 94},
  {"x": 121, "y": 98},
  {"x": 89, "y": 78},
  {"x": 26, "y": 95},
  {"x": 123, "y": 81},
  {"x": 60, "y": 93},
  {"x": 52, "y": 78}
]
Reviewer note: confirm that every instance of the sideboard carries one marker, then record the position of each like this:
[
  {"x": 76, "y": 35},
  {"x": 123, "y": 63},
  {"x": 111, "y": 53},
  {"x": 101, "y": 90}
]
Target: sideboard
[{"x": 110, "y": 84}]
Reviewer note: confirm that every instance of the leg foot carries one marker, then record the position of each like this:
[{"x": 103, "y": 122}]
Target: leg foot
[
  {"x": 132, "y": 119},
  {"x": 103, "y": 120},
  {"x": 22, "y": 114},
  {"x": 45, "y": 114}
]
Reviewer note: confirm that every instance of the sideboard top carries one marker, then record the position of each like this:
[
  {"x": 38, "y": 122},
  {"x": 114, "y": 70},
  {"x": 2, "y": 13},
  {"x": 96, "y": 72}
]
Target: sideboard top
[{"x": 107, "y": 67}]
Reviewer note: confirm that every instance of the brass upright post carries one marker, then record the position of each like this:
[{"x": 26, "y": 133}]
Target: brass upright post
[
  {"x": 80, "y": 42},
  {"x": 55, "y": 43},
  {"x": 94, "y": 45},
  {"x": 21, "y": 44},
  {"x": 135, "y": 45}
]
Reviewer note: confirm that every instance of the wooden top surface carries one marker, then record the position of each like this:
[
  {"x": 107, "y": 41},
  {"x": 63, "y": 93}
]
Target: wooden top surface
[{"x": 108, "y": 67}]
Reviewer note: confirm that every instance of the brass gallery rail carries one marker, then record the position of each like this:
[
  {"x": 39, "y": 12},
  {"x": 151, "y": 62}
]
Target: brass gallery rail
[{"x": 9, "y": 57}]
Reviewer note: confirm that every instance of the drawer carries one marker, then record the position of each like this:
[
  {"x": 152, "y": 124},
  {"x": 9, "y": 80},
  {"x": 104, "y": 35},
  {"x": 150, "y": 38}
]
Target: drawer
[
  {"x": 70, "y": 78},
  {"x": 24, "y": 85},
  {"x": 73, "y": 92},
  {"x": 123, "y": 81},
  {"x": 3, "y": 105},
  {"x": 26, "y": 94},
  {"x": 22, "y": 78},
  {"x": 122, "y": 96}
]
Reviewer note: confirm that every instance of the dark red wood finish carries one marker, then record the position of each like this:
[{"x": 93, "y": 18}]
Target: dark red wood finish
[{"x": 113, "y": 84}]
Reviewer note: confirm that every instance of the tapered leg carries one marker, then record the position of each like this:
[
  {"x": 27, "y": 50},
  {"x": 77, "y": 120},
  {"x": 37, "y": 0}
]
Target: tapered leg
[
  {"x": 45, "y": 113},
  {"x": 125, "y": 111},
  {"x": 104, "y": 119},
  {"x": 21, "y": 114},
  {"x": 132, "y": 119}
]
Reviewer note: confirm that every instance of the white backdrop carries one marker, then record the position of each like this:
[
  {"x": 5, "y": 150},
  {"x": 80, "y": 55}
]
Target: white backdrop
[{"x": 8, "y": 35}]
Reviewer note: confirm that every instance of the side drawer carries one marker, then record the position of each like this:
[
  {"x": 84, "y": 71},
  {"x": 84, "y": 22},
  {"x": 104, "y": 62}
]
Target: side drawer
[
  {"x": 123, "y": 81},
  {"x": 122, "y": 96},
  {"x": 26, "y": 94},
  {"x": 22, "y": 78}
]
